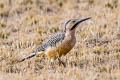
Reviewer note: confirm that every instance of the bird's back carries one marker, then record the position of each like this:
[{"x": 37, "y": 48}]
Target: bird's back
[{"x": 53, "y": 42}]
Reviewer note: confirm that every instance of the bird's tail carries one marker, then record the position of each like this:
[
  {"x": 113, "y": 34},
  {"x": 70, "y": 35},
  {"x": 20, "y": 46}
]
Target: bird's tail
[
  {"x": 27, "y": 57},
  {"x": 34, "y": 53}
]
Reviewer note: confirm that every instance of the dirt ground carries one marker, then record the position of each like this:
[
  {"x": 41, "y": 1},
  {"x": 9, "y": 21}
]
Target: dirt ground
[{"x": 26, "y": 24}]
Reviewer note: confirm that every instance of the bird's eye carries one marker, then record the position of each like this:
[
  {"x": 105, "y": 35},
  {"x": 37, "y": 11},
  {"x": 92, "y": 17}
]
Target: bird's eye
[{"x": 73, "y": 21}]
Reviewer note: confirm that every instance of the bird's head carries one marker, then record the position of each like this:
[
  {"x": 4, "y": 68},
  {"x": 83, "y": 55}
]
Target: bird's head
[{"x": 72, "y": 24}]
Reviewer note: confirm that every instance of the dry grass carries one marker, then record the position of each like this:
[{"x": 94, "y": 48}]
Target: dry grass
[{"x": 25, "y": 24}]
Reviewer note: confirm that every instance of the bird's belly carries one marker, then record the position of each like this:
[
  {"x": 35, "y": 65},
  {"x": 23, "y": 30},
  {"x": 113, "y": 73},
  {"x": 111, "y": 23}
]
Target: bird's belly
[{"x": 56, "y": 52}]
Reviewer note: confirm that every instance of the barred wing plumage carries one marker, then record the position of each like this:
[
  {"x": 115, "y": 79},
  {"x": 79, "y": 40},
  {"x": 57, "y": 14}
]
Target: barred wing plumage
[{"x": 50, "y": 43}]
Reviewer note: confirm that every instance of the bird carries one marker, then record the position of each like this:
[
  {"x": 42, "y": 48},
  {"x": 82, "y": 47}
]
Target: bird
[{"x": 60, "y": 44}]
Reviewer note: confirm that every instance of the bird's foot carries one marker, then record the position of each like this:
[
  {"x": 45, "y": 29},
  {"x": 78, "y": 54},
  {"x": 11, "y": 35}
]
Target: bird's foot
[{"x": 61, "y": 62}]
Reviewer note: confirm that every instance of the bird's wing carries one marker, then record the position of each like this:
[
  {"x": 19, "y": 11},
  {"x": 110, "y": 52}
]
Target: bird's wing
[{"x": 50, "y": 43}]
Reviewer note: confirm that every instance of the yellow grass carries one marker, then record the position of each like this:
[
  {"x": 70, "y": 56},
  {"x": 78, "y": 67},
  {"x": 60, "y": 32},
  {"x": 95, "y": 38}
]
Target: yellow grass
[{"x": 25, "y": 24}]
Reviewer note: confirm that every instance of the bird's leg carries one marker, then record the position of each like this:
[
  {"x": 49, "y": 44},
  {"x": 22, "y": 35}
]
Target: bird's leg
[{"x": 61, "y": 62}]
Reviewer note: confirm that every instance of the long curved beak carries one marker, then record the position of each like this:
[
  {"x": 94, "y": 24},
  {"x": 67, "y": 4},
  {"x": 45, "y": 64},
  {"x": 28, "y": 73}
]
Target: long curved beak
[{"x": 78, "y": 21}]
